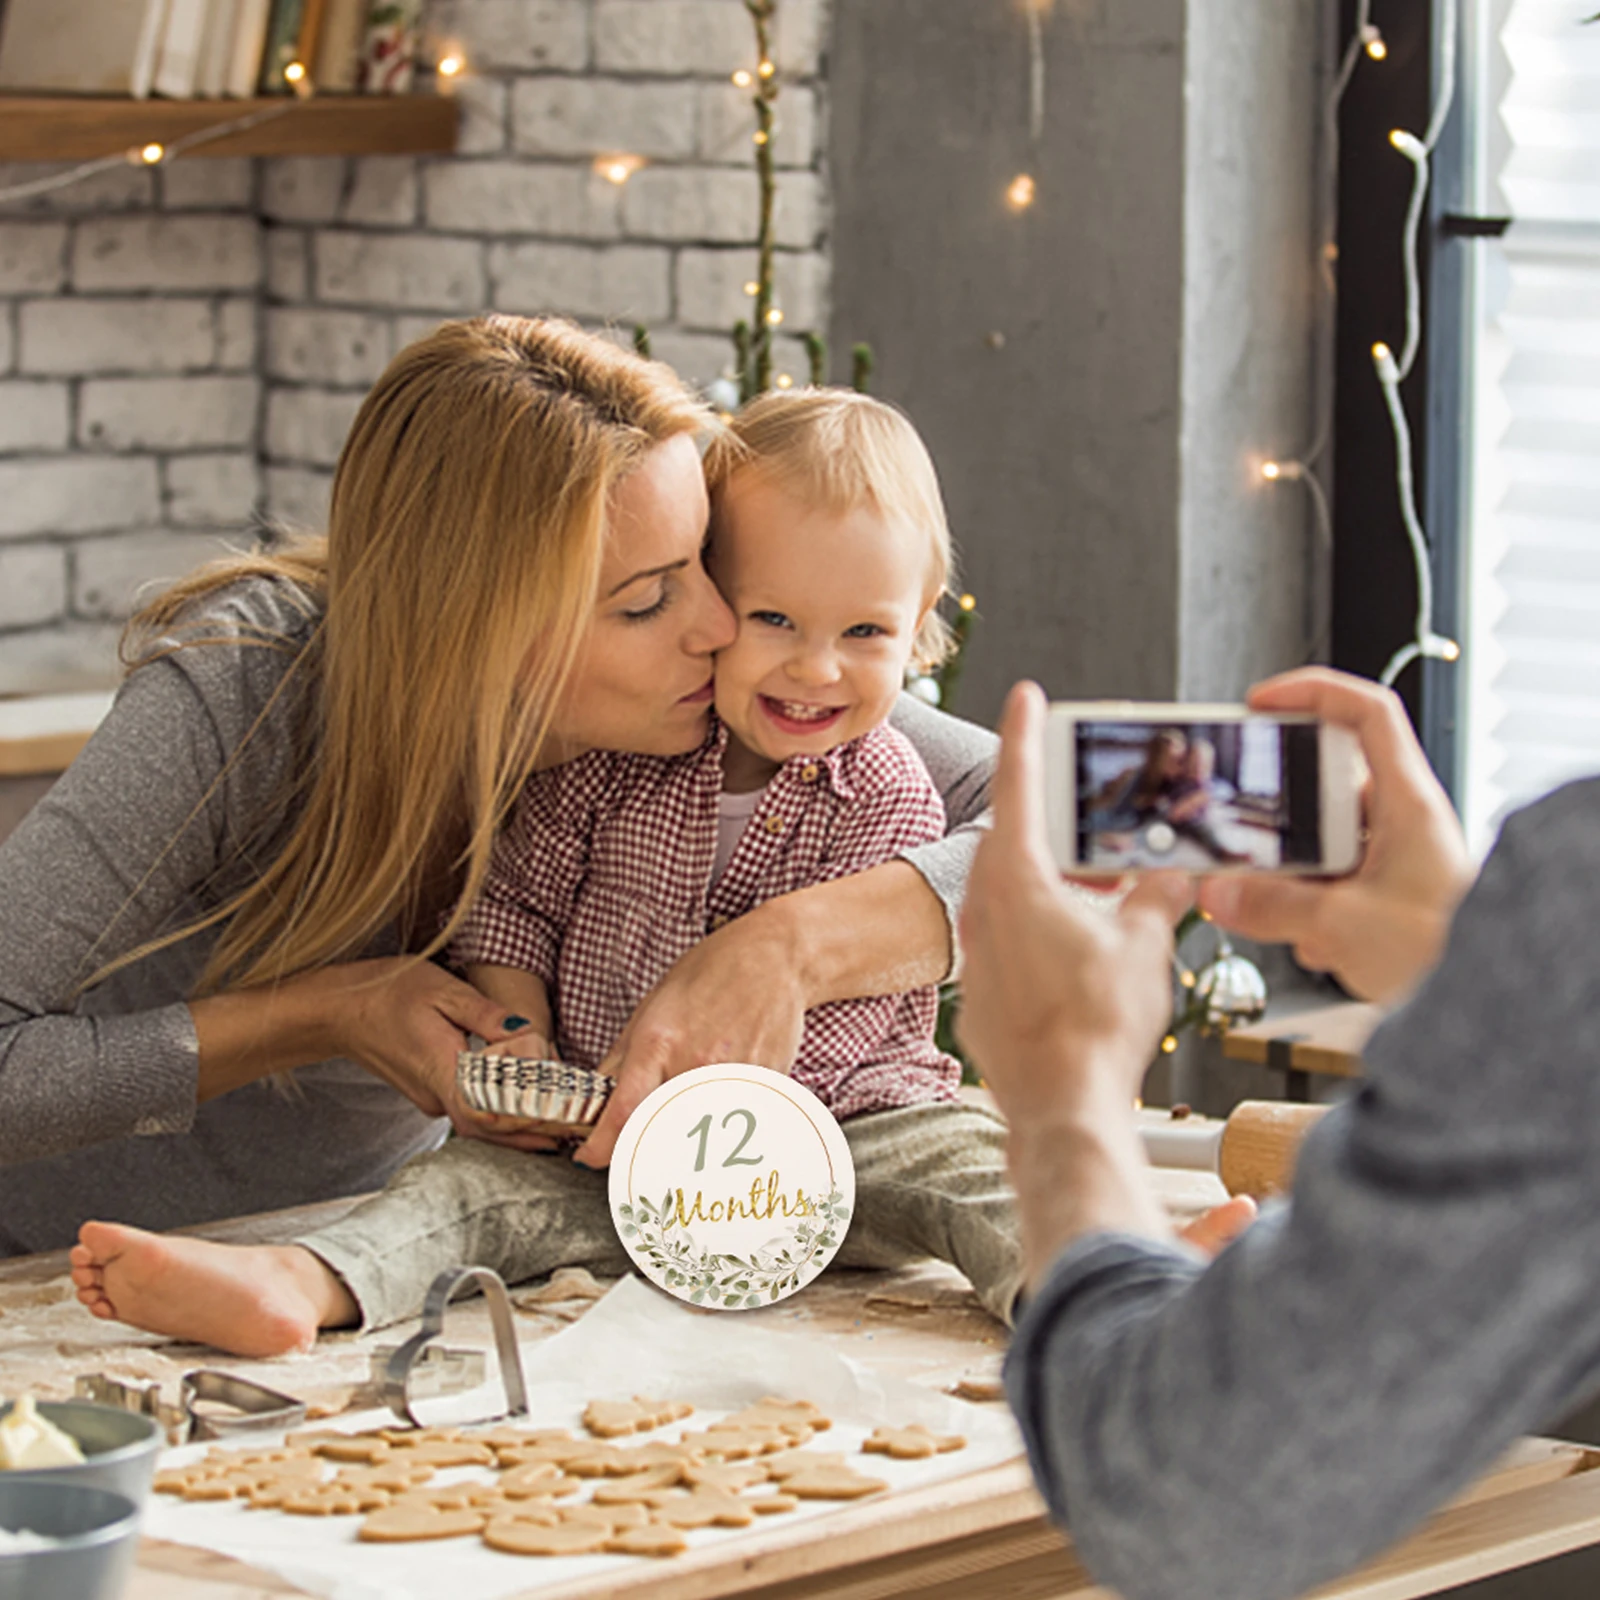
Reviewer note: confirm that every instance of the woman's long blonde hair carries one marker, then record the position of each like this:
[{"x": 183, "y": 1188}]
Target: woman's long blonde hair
[{"x": 458, "y": 576}]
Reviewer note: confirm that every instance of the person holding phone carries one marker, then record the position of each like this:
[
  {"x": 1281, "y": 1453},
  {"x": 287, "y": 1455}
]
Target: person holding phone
[{"x": 1252, "y": 1428}]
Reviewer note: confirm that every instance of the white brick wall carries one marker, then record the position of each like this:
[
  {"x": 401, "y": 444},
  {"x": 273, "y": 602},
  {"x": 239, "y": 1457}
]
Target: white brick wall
[{"x": 183, "y": 348}]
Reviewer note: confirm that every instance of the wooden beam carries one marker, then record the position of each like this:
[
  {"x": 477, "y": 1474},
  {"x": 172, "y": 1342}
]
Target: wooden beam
[{"x": 81, "y": 128}]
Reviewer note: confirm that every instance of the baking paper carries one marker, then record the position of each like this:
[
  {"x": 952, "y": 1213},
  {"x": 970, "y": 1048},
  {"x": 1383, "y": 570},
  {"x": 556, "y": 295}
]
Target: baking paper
[{"x": 634, "y": 1341}]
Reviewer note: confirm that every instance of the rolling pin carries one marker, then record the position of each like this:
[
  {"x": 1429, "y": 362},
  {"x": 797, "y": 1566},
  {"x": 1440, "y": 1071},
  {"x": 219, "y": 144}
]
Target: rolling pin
[{"x": 1253, "y": 1152}]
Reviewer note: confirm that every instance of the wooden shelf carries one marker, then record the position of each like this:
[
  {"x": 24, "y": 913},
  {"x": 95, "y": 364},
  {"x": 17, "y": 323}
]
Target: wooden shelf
[{"x": 80, "y": 128}]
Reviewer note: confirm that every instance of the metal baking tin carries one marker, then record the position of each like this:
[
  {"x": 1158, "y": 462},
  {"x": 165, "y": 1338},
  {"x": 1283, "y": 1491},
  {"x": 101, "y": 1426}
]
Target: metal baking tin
[
  {"x": 550, "y": 1096},
  {"x": 249, "y": 1407},
  {"x": 407, "y": 1380}
]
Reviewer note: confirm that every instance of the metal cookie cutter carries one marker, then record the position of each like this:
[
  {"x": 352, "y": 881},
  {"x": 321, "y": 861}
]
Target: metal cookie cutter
[
  {"x": 211, "y": 1404},
  {"x": 407, "y": 1379}
]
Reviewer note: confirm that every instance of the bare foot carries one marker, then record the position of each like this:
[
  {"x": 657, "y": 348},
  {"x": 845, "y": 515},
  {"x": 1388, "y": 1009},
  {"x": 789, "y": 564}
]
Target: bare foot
[
  {"x": 250, "y": 1300},
  {"x": 1221, "y": 1225}
]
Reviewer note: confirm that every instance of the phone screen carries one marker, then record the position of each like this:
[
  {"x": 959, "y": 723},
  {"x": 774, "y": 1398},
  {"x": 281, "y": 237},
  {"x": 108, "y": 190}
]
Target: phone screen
[{"x": 1195, "y": 796}]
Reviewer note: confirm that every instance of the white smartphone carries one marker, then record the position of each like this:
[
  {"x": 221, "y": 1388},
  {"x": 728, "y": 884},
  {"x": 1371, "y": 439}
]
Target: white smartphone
[{"x": 1133, "y": 786}]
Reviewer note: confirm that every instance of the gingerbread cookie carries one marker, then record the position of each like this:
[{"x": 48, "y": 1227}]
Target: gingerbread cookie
[
  {"x": 330, "y": 1500},
  {"x": 638, "y": 1486},
  {"x": 730, "y": 1475},
  {"x": 913, "y": 1443},
  {"x": 401, "y": 1524},
  {"x": 737, "y": 1444},
  {"x": 521, "y": 1536},
  {"x": 704, "y": 1507},
  {"x": 654, "y": 1539},
  {"x": 630, "y": 1515},
  {"x": 610, "y": 1419},
  {"x": 798, "y": 1417},
  {"x": 790, "y": 1462},
  {"x": 770, "y": 1502},
  {"x": 831, "y": 1483}
]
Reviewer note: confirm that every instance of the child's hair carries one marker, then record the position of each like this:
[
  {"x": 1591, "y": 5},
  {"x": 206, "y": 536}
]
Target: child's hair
[
  {"x": 458, "y": 577},
  {"x": 840, "y": 451}
]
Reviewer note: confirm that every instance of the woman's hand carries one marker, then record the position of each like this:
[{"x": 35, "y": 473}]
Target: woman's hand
[
  {"x": 736, "y": 996},
  {"x": 1381, "y": 929},
  {"x": 406, "y": 1021}
]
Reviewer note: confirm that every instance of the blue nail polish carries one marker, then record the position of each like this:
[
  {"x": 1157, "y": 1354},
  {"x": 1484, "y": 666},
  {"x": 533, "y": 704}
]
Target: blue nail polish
[{"x": 515, "y": 1024}]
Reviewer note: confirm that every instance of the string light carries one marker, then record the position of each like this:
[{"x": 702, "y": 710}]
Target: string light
[
  {"x": 1021, "y": 192},
  {"x": 152, "y": 155},
  {"x": 136, "y": 155},
  {"x": 450, "y": 66},
  {"x": 774, "y": 317},
  {"x": 1169, "y": 1044},
  {"x": 1391, "y": 373},
  {"x": 742, "y": 79},
  {"x": 784, "y": 381},
  {"x": 968, "y": 602},
  {"x": 618, "y": 169},
  {"x": 752, "y": 288},
  {"x": 295, "y": 72},
  {"x": 759, "y": 136},
  {"x": 766, "y": 69}
]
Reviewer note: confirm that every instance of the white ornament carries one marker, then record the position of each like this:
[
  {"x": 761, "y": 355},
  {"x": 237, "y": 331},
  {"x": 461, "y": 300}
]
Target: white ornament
[{"x": 925, "y": 689}]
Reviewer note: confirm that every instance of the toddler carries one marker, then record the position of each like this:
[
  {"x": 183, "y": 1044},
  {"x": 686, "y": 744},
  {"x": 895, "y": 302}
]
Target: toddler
[{"x": 830, "y": 544}]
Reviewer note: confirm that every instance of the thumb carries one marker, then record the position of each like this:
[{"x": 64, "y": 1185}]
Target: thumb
[{"x": 1166, "y": 895}]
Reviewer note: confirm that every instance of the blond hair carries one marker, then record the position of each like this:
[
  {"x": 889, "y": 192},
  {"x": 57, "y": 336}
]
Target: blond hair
[
  {"x": 459, "y": 574},
  {"x": 839, "y": 451}
]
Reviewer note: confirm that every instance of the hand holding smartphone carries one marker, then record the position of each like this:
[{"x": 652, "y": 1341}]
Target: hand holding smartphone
[{"x": 1200, "y": 788}]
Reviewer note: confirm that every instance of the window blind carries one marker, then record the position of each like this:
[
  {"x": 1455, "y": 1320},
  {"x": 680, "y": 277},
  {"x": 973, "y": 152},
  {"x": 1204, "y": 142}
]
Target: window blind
[{"x": 1532, "y": 705}]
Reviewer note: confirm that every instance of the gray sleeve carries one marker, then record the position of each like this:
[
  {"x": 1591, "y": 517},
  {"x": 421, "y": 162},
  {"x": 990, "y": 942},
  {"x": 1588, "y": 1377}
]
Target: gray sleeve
[
  {"x": 960, "y": 759},
  {"x": 108, "y": 859},
  {"x": 1255, "y": 1428}
]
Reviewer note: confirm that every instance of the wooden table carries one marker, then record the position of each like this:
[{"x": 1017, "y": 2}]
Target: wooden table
[
  {"x": 978, "y": 1536},
  {"x": 1327, "y": 1040}
]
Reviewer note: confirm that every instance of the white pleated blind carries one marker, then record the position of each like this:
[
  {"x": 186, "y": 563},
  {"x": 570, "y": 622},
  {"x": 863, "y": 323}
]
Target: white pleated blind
[{"x": 1533, "y": 623}]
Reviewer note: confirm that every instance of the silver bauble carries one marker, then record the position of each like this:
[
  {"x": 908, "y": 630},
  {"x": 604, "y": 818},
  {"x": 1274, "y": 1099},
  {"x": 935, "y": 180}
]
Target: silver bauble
[{"x": 1231, "y": 992}]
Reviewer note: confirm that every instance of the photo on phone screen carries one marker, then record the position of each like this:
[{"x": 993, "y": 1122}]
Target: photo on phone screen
[{"x": 1196, "y": 796}]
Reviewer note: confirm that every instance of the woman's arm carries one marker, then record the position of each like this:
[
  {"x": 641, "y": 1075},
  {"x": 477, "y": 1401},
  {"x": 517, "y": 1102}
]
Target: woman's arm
[{"x": 125, "y": 847}]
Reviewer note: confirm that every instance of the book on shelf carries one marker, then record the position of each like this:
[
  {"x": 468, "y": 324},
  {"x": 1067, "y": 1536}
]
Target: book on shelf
[
  {"x": 81, "y": 46},
  {"x": 336, "y": 64},
  {"x": 249, "y": 41},
  {"x": 282, "y": 45},
  {"x": 216, "y": 50},
  {"x": 178, "y": 65},
  {"x": 183, "y": 49}
]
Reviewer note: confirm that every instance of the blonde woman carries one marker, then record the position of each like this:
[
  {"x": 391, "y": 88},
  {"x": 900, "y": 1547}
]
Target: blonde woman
[{"x": 214, "y": 994}]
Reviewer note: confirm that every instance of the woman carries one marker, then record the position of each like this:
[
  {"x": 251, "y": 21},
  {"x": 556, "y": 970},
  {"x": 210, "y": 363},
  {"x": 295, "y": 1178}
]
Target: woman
[{"x": 295, "y": 794}]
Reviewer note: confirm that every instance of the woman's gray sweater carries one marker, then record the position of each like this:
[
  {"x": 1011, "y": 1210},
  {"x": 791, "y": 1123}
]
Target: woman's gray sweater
[{"x": 154, "y": 824}]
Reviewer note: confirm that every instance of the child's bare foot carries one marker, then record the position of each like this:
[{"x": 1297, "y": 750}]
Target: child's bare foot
[
  {"x": 1221, "y": 1225},
  {"x": 250, "y": 1300}
]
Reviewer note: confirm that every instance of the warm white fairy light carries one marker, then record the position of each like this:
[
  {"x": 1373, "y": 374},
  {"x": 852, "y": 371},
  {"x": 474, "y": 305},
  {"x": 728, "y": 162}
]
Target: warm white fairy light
[
  {"x": 1391, "y": 372},
  {"x": 152, "y": 154},
  {"x": 759, "y": 136},
  {"x": 752, "y": 288},
  {"x": 774, "y": 317},
  {"x": 742, "y": 79},
  {"x": 451, "y": 66},
  {"x": 784, "y": 381},
  {"x": 767, "y": 68},
  {"x": 618, "y": 168},
  {"x": 1021, "y": 192}
]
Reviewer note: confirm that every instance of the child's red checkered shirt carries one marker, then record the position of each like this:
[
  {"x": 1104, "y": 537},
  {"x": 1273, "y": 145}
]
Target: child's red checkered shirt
[{"x": 602, "y": 880}]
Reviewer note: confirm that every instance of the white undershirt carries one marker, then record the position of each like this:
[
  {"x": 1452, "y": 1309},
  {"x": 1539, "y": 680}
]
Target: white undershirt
[{"x": 734, "y": 811}]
